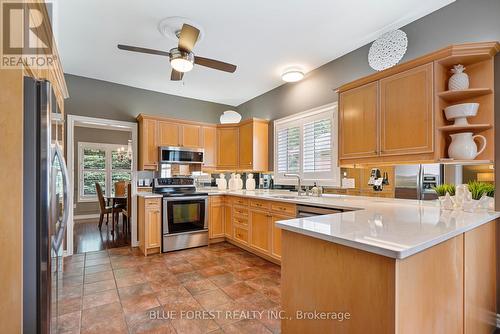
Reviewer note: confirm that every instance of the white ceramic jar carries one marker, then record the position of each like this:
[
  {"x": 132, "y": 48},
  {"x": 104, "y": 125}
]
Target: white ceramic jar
[
  {"x": 463, "y": 146},
  {"x": 250, "y": 182}
]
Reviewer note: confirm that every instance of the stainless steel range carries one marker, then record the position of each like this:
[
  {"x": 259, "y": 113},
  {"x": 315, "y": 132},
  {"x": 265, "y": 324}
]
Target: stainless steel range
[{"x": 185, "y": 213}]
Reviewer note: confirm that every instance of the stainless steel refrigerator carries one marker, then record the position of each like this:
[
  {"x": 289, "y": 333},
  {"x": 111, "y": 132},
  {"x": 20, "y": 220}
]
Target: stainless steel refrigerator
[
  {"x": 45, "y": 214},
  {"x": 417, "y": 181}
]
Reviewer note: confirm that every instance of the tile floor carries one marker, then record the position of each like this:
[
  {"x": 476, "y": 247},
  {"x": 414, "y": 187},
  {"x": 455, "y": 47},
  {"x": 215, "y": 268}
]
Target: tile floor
[{"x": 215, "y": 289}]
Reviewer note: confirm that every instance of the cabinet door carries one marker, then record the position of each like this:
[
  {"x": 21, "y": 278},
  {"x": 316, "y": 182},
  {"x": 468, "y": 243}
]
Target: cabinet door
[
  {"x": 148, "y": 154},
  {"x": 276, "y": 236},
  {"x": 169, "y": 134},
  {"x": 191, "y": 136},
  {"x": 406, "y": 111},
  {"x": 228, "y": 220},
  {"x": 246, "y": 146},
  {"x": 227, "y": 147},
  {"x": 358, "y": 122},
  {"x": 153, "y": 227},
  {"x": 260, "y": 230},
  {"x": 209, "y": 145},
  {"x": 216, "y": 218}
]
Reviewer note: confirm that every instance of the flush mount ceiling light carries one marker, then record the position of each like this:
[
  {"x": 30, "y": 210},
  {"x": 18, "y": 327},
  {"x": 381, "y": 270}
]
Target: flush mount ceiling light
[
  {"x": 181, "y": 61},
  {"x": 230, "y": 117},
  {"x": 292, "y": 75}
]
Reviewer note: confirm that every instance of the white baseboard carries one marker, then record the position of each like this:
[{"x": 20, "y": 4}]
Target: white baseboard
[{"x": 81, "y": 217}]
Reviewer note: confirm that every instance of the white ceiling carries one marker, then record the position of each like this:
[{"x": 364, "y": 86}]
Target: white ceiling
[{"x": 262, "y": 37}]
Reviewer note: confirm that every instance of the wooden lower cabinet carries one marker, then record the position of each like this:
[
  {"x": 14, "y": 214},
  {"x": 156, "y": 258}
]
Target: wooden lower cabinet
[
  {"x": 216, "y": 217},
  {"x": 276, "y": 235},
  {"x": 260, "y": 230},
  {"x": 149, "y": 222},
  {"x": 249, "y": 223},
  {"x": 228, "y": 219}
]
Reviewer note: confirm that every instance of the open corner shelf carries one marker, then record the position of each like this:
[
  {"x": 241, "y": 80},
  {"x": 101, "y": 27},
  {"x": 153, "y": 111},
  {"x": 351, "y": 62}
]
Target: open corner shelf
[
  {"x": 469, "y": 127},
  {"x": 464, "y": 162},
  {"x": 457, "y": 95}
]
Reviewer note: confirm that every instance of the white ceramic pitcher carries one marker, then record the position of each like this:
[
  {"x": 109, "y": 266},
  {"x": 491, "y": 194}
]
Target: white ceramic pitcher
[{"x": 463, "y": 147}]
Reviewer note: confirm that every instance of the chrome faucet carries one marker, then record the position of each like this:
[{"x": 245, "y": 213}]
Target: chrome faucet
[{"x": 299, "y": 182}]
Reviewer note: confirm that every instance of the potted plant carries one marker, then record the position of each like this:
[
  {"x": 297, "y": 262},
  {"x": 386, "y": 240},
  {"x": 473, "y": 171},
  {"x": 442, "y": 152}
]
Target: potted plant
[
  {"x": 482, "y": 194},
  {"x": 444, "y": 192}
]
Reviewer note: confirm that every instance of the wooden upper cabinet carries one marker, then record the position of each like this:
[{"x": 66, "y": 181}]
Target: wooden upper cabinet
[
  {"x": 406, "y": 112},
  {"x": 190, "y": 135},
  {"x": 246, "y": 145},
  {"x": 227, "y": 147},
  {"x": 148, "y": 145},
  {"x": 253, "y": 145},
  {"x": 358, "y": 122},
  {"x": 169, "y": 134},
  {"x": 209, "y": 144}
]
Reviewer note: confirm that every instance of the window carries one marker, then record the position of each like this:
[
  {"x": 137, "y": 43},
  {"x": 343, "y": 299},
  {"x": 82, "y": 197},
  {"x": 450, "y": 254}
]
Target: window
[
  {"x": 306, "y": 144},
  {"x": 101, "y": 163}
]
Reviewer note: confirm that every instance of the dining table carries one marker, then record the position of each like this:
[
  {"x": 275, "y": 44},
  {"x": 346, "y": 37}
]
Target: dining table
[{"x": 111, "y": 200}]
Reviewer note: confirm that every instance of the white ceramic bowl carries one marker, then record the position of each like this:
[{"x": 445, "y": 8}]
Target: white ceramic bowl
[{"x": 460, "y": 112}]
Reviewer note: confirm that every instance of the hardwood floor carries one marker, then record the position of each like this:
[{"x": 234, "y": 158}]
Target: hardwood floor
[
  {"x": 215, "y": 289},
  {"x": 88, "y": 238}
]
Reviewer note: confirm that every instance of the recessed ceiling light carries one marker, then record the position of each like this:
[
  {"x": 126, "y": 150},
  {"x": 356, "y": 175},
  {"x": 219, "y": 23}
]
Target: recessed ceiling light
[{"x": 292, "y": 75}]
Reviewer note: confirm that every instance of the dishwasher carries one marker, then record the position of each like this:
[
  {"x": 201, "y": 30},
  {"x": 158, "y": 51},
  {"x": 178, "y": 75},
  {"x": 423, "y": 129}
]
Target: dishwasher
[{"x": 304, "y": 211}]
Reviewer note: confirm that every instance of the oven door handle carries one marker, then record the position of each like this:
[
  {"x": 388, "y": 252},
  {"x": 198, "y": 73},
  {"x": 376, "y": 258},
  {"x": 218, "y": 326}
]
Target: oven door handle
[{"x": 178, "y": 199}]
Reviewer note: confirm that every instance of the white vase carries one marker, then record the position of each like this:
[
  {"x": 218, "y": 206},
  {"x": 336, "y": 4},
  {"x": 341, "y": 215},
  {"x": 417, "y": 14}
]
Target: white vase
[
  {"x": 459, "y": 80},
  {"x": 250, "y": 182},
  {"x": 222, "y": 182},
  {"x": 232, "y": 182},
  {"x": 239, "y": 182},
  {"x": 463, "y": 147}
]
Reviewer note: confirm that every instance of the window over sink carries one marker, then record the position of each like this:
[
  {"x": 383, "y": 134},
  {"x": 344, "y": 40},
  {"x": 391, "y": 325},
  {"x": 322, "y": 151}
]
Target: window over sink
[{"x": 306, "y": 144}]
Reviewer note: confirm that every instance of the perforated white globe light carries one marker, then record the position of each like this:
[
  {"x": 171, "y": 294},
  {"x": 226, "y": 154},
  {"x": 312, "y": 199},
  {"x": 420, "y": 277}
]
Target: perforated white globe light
[
  {"x": 230, "y": 117},
  {"x": 387, "y": 50}
]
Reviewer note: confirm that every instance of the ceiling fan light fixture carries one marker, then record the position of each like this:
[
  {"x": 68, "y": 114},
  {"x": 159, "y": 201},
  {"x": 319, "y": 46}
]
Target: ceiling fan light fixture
[
  {"x": 292, "y": 75},
  {"x": 181, "y": 61}
]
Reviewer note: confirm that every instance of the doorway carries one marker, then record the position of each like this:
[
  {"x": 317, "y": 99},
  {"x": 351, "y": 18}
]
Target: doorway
[{"x": 106, "y": 142}]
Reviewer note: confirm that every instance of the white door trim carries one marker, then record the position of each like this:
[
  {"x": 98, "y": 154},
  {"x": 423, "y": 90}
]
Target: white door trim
[{"x": 101, "y": 123}]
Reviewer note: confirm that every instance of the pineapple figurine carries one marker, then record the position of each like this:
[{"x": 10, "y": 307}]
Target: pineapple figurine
[{"x": 459, "y": 80}]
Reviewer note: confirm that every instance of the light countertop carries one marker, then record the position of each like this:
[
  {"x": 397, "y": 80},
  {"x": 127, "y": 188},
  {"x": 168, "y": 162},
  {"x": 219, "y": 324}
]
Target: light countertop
[
  {"x": 149, "y": 195},
  {"x": 390, "y": 227}
]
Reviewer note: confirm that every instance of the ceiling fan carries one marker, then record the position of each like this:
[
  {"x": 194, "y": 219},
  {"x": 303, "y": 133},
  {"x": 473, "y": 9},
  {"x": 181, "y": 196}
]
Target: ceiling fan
[{"x": 182, "y": 58}]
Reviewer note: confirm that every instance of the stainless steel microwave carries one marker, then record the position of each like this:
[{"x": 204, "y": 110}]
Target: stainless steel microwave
[{"x": 180, "y": 155}]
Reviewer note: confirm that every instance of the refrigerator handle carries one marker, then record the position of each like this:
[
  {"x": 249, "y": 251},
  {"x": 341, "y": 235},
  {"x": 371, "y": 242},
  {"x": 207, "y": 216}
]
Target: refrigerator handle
[
  {"x": 420, "y": 178},
  {"x": 57, "y": 154}
]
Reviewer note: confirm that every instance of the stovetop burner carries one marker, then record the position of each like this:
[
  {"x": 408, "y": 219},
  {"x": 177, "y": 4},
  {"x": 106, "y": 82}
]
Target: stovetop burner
[{"x": 176, "y": 187}]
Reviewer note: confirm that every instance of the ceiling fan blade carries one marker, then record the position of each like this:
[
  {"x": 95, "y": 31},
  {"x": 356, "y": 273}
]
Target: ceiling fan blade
[
  {"x": 143, "y": 50},
  {"x": 176, "y": 76},
  {"x": 188, "y": 37},
  {"x": 212, "y": 63}
]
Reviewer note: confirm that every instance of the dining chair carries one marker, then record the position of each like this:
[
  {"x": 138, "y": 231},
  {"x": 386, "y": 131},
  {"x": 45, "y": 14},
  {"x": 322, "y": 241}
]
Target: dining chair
[
  {"x": 120, "y": 188},
  {"x": 127, "y": 212},
  {"x": 105, "y": 209}
]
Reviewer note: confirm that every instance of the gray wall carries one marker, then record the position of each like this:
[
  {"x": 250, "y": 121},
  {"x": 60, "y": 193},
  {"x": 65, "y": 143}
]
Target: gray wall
[
  {"x": 460, "y": 22},
  {"x": 102, "y": 99},
  {"x": 89, "y": 135}
]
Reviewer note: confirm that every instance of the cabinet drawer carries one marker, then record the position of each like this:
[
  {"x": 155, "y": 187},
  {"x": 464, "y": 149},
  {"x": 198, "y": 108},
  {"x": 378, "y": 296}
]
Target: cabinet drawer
[
  {"x": 240, "y": 211},
  {"x": 240, "y": 201},
  {"x": 284, "y": 208},
  {"x": 240, "y": 221},
  {"x": 152, "y": 202},
  {"x": 241, "y": 234},
  {"x": 264, "y": 205}
]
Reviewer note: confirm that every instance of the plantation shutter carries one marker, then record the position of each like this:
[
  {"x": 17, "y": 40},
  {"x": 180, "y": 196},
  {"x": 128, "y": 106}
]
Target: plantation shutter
[
  {"x": 288, "y": 150},
  {"x": 318, "y": 146}
]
